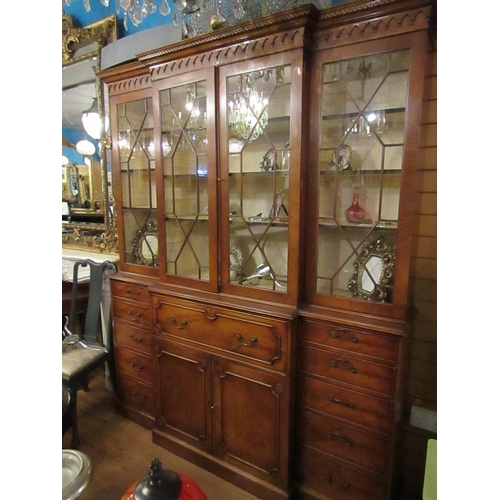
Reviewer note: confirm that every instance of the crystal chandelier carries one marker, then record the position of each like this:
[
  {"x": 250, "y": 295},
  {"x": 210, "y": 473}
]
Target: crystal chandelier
[
  {"x": 200, "y": 16},
  {"x": 135, "y": 10},
  {"x": 248, "y": 115}
]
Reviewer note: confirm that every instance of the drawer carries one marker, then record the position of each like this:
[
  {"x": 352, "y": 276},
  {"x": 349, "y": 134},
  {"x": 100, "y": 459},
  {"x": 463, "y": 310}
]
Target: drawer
[
  {"x": 341, "y": 337},
  {"x": 254, "y": 337},
  {"x": 343, "y": 441},
  {"x": 132, "y": 312},
  {"x": 135, "y": 394},
  {"x": 134, "y": 364},
  {"x": 352, "y": 406},
  {"x": 335, "y": 480},
  {"x": 131, "y": 292},
  {"x": 338, "y": 365},
  {"x": 132, "y": 336}
]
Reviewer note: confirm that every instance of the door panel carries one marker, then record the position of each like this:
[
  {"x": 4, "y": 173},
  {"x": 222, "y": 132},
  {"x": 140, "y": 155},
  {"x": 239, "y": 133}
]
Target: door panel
[
  {"x": 184, "y": 394},
  {"x": 251, "y": 421}
]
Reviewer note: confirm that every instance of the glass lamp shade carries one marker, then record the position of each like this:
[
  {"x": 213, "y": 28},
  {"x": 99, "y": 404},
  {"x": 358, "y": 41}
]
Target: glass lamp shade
[
  {"x": 91, "y": 120},
  {"x": 85, "y": 148},
  {"x": 65, "y": 160}
]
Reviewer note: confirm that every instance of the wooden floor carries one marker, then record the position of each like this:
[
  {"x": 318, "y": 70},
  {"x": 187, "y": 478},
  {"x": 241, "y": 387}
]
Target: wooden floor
[{"x": 121, "y": 451}]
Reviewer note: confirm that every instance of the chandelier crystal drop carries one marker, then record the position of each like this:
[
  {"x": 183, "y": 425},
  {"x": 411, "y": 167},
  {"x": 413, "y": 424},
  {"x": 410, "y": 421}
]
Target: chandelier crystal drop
[
  {"x": 248, "y": 115},
  {"x": 200, "y": 16}
]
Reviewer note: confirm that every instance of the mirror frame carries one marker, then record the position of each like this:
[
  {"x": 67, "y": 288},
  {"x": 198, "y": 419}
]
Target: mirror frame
[
  {"x": 140, "y": 239},
  {"x": 98, "y": 236},
  {"x": 382, "y": 288}
]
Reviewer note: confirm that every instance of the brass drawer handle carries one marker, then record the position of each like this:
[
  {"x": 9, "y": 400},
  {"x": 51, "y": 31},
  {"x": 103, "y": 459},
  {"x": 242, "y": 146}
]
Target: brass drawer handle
[
  {"x": 339, "y": 332},
  {"x": 334, "y": 437},
  {"x": 129, "y": 291},
  {"x": 139, "y": 368},
  {"x": 253, "y": 340},
  {"x": 350, "y": 404},
  {"x": 181, "y": 326},
  {"x": 137, "y": 397},
  {"x": 136, "y": 339},
  {"x": 137, "y": 315},
  {"x": 340, "y": 486},
  {"x": 336, "y": 362}
]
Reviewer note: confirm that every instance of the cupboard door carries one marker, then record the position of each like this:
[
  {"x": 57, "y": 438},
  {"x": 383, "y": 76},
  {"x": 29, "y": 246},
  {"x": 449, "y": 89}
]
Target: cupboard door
[
  {"x": 362, "y": 182},
  {"x": 260, "y": 148},
  {"x": 183, "y": 393},
  {"x": 251, "y": 420},
  {"x": 188, "y": 205},
  {"x": 134, "y": 180}
]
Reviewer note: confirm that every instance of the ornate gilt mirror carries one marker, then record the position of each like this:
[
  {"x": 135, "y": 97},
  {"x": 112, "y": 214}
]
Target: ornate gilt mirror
[
  {"x": 87, "y": 201},
  {"x": 145, "y": 246},
  {"x": 373, "y": 272}
]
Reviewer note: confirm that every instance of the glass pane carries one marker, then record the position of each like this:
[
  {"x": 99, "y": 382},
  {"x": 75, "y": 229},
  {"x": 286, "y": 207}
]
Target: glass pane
[
  {"x": 184, "y": 151},
  {"x": 363, "y": 110},
  {"x": 137, "y": 167},
  {"x": 258, "y": 113}
]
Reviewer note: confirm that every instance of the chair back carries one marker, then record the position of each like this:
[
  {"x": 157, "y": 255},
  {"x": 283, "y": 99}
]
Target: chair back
[{"x": 92, "y": 318}]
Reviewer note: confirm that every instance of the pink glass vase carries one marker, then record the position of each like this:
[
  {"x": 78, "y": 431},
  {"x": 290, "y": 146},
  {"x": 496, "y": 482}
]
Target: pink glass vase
[{"x": 355, "y": 213}]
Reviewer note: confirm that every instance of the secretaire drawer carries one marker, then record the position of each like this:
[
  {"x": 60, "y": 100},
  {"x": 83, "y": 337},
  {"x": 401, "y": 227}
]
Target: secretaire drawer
[
  {"x": 132, "y": 336},
  {"x": 135, "y": 394},
  {"x": 341, "y": 440},
  {"x": 336, "y": 480},
  {"x": 134, "y": 364},
  {"x": 338, "y": 365},
  {"x": 352, "y": 406},
  {"x": 258, "y": 338},
  {"x": 341, "y": 337},
  {"x": 131, "y": 292},
  {"x": 134, "y": 313}
]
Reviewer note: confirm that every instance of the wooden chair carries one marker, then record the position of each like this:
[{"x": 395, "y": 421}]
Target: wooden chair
[{"x": 81, "y": 356}]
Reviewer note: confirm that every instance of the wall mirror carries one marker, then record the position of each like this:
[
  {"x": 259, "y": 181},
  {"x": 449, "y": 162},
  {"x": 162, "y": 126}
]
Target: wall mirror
[
  {"x": 87, "y": 218},
  {"x": 373, "y": 272}
]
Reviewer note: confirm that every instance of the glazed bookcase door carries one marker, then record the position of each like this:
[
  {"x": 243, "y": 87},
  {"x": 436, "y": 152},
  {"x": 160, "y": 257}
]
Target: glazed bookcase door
[
  {"x": 188, "y": 205},
  {"x": 259, "y": 171},
  {"x": 361, "y": 199},
  {"x": 134, "y": 153}
]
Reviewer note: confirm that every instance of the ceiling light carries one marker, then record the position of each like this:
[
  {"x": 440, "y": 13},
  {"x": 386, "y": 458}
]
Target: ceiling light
[
  {"x": 85, "y": 148},
  {"x": 91, "y": 120}
]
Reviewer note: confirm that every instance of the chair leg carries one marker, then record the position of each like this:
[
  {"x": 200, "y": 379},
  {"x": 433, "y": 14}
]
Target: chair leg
[{"x": 75, "y": 441}]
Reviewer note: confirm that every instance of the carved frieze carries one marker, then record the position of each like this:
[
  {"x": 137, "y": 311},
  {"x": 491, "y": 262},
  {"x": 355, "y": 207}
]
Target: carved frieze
[
  {"x": 395, "y": 23},
  {"x": 262, "y": 46},
  {"x": 123, "y": 86}
]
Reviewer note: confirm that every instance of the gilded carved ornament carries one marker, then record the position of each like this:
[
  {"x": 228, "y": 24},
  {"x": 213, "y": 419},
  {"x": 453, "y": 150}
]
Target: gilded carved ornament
[{"x": 74, "y": 38}]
